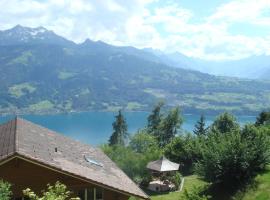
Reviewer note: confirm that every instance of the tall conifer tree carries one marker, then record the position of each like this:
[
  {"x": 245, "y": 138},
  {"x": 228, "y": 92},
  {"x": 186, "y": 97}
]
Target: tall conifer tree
[
  {"x": 120, "y": 133},
  {"x": 169, "y": 126},
  {"x": 154, "y": 120},
  {"x": 200, "y": 128}
]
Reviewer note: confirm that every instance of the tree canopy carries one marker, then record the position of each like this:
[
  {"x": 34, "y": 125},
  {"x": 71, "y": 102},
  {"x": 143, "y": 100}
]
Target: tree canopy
[
  {"x": 169, "y": 127},
  {"x": 263, "y": 118},
  {"x": 120, "y": 133},
  {"x": 225, "y": 123},
  {"x": 154, "y": 119},
  {"x": 200, "y": 127},
  {"x": 234, "y": 157}
]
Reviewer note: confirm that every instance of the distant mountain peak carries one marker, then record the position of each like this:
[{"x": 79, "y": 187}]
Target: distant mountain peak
[
  {"x": 21, "y": 35},
  {"x": 18, "y": 26},
  {"x": 27, "y": 30},
  {"x": 88, "y": 41}
]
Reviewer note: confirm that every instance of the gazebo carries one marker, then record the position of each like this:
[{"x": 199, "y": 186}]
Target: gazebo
[{"x": 160, "y": 168}]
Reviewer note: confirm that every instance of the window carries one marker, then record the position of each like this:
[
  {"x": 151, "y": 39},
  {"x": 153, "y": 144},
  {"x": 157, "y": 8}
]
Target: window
[
  {"x": 91, "y": 194},
  {"x": 81, "y": 194},
  {"x": 92, "y": 161},
  {"x": 99, "y": 194}
]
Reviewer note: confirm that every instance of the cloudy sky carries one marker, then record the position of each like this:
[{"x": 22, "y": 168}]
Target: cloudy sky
[{"x": 207, "y": 29}]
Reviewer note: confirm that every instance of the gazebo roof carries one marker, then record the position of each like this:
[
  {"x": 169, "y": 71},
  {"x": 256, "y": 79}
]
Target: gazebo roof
[{"x": 163, "y": 165}]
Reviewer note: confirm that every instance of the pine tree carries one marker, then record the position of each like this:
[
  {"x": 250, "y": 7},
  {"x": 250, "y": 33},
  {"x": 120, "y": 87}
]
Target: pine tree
[
  {"x": 154, "y": 119},
  {"x": 169, "y": 126},
  {"x": 200, "y": 128},
  {"x": 120, "y": 133}
]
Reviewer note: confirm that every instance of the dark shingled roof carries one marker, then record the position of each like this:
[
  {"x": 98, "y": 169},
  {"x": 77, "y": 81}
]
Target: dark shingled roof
[{"x": 26, "y": 139}]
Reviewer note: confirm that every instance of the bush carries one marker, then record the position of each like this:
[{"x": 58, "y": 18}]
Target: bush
[
  {"x": 186, "y": 150},
  {"x": 131, "y": 162},
  {"x": 234, "y": 157},
  {"x": 142, "y": 141},
  {"x": 176, "y": 179},
  {"x": 57, "y": 192},
  {"x": 5, "y": 190},
  {"x": 263, "y": 119},
  {"x": 225, "y": 123},
  {"x": 195, "y": 194}
]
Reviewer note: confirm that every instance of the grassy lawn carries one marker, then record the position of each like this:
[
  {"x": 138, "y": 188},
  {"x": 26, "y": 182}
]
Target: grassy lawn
[
  {"x": 190, "y": 182},
  {"x": 261, "y": 191}
]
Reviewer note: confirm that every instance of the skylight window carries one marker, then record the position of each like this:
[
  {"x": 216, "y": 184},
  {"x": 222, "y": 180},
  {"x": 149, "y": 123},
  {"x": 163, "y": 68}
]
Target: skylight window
[{"x": 90, "y": 160}]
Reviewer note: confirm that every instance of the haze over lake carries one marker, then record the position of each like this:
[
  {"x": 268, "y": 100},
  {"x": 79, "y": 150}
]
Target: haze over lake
[{"x": 96, "y": 127}]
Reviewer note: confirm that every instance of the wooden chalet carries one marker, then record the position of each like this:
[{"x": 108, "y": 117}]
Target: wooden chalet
[{"x": 32, "y": 156}]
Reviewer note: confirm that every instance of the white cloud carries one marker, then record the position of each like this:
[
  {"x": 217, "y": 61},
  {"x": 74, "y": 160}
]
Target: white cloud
[
  {"x": 241, "y": 11},
  {"x": 145, "y": 23}
]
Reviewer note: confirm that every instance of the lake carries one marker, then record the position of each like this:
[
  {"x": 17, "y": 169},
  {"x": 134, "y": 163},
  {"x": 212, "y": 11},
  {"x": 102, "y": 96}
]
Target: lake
[{"x": 96, "y": 127}]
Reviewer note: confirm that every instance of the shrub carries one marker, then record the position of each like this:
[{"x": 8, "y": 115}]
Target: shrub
[
  {"x": 195, "y": 194},
  {"x": 5, "y": 190},
  {"x": 225, "y": 123},
  {"x": 176, "y": 179},
  {"x": 57, "y": 192},
  {"x": 131, "y": 162},
  {"x": 185, "y": 150},
  {"x": 234, "y": 157},
  {"x": 142, "y": 142}
]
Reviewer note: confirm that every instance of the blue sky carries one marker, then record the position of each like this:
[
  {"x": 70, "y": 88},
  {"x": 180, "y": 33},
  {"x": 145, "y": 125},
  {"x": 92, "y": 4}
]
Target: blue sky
[{"x": 206, "y": 29}]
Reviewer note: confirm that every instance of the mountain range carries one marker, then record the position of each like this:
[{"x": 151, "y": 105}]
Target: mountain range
[
  {"x": 43, "y": 72},
  {"x": 254, "y": 67}
]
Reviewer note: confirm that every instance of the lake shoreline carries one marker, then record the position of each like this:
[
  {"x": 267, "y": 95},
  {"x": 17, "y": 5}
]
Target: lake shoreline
[
  {"x": 95, "y": 128},
  {"x": 56, "y": 112}
]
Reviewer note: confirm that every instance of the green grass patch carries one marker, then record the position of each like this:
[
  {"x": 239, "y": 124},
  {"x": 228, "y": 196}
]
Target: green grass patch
[
  {"x": 261, "y": 189},
  {"x": 111, "y": 108},
  {"x": 21, "y": 89},
  {"x": 41, "y": 106},
  {"x": 155, "y": 92},
  {"x": 85, "y": 91},
  {"x": 65, "y": 75},
  {"x": 133, "y": 106},
  {"x": 145, "y": 79},
  {"x": 68, "y": 51},
  {"x": 22, "y": 59},
  {"x": 190, "y": 182}
]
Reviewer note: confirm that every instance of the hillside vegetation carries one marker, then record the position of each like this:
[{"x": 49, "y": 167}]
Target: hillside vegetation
[
  {"x": 224, "y": 161},
  {"x": 52, "y": 74}
]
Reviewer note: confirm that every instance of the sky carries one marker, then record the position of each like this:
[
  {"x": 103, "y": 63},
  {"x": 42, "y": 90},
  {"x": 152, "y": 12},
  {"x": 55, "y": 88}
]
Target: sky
[{"x": 206, "y": 29}]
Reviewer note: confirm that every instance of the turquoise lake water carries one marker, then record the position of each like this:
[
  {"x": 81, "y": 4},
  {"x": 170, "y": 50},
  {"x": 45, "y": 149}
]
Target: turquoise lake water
[{"x": 96, "y": 127}]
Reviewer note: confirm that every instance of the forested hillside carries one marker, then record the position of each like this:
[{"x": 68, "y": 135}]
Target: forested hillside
[{"x": 43, "y": 72}]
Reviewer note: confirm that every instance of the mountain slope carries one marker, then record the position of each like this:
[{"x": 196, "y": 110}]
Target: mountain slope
[
  {"x": 62, "y": 76},
  {"x": 253, "y": 67}
]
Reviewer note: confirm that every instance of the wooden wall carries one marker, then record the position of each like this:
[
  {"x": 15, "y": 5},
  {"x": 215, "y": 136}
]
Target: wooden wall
[{"x": 22, "y": 174}]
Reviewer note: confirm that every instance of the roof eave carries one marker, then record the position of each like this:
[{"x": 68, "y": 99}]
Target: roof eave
[{"x": 51, "y": 167}]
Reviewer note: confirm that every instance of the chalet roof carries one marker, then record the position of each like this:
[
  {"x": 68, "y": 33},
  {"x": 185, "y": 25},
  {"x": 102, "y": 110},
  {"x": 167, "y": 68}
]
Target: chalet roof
[
  {"x": 28, "y": 140},
  {"x": 162, "y": 165}
]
